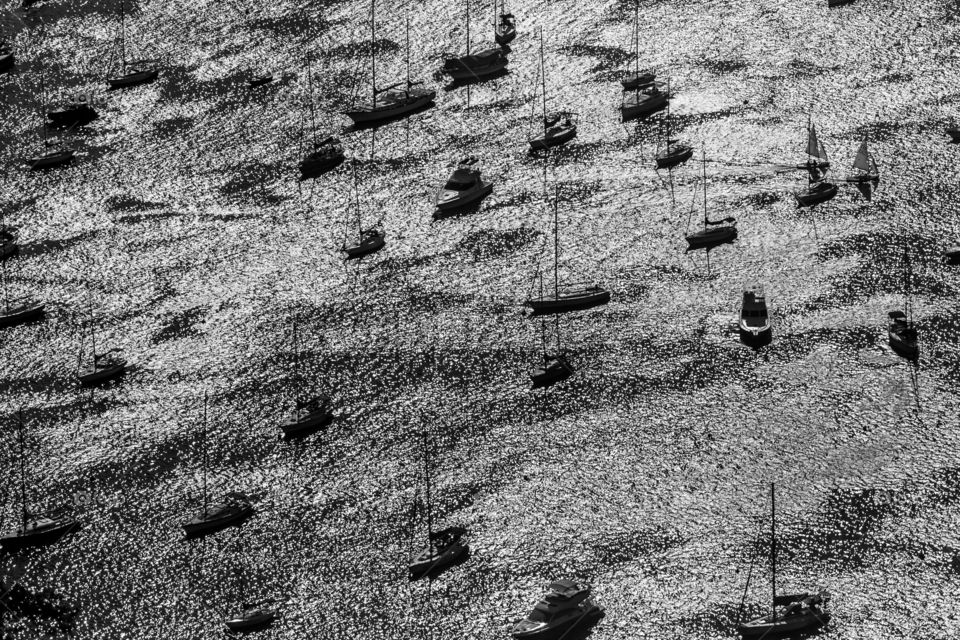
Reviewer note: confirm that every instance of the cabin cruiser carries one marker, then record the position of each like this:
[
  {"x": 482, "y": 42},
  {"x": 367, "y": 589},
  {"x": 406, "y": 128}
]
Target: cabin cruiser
[
  {"x": 569, "y": 298},
  {"x": 21, "y": 310},
  {"x": 800, "y": 613},
  {"x": 251, "y": 618},
  {"x": 506, "y": 30},
  {"x": 558, "y": 129},
  {"x": 38, "y": 532},
  {"x": 371, "y": 241},
  {"x": 477, "y": 65},
  {"x": 327, "y": 154},
  {"x": 464, "y": 187},
  {"x": 642, "y": 102},
  {"x": 445, "y": 549},
  {"x": 308, "y": 415},
  {"x": 816, "y": 193},
  {"x": 903, "y": 335},
  {"x": 234, "y": 508},
  {"x": 106, "y": 366},
  {"x": 755, "y": 329},
  {"x": 564, "y": 607},
  {"x": 554, "y": 369},
  {"x": 392, "y": 102}
]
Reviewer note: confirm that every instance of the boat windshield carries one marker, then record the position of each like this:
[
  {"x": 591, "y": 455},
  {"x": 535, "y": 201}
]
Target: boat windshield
[{"x": 460, "y": 181}]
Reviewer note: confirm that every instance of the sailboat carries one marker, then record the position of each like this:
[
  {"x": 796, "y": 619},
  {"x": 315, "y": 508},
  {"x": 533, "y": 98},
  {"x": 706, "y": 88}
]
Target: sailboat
[
  {"x": 798, "y": 613},
  {"x": 130, "y": 76},
  {"x": 755, "y": 329},
  {"x": 370, "y": 240},
  {"x": 674, "y": 152},
  {"x": 33, "y": 531},
  {"x": 18, "y": 310},
  {"x": 555, "y": 366},
  {"x": 866, "y": 175},
  {"x": 445, "y": 547},
  {"x": 902, "y": 332},
  {"x": 327, "y": 151},
  {"x": 471, "y": 67},
  {"x": 643, "y": 101},
  {"x": 572, "y": 297},
  {"x": 505, "y": 26},
  {"x": 105, "y": 366},
  {"x": 390, "y": 102},
  {"x": 638, "y": 79},
  {"x": 52, "y": 159},
  {"x": 715, "y": 232},
  {"x": 309, "y": 413},
  {"x": 558, "y": 128},
  {"x": 233, "y": 508},
  {"x": 252, "y": 615},
  {"x": 817, "y": 164}
]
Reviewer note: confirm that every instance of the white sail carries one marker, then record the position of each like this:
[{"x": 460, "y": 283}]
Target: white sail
[
  {"x": 813, "y": 145},
  {"x": 863, "y": 160}
]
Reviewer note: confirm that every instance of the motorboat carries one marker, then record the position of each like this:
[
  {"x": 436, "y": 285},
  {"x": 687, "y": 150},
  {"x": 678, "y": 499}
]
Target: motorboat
[
  {"x": 38, "y": 532},
  {"x": 816, "y": 193},
  {"x": 554, "y": 369},
  {"x": 506, "y": 29},
  {"x": 392, "y": 102},
  {"x": 755, "y": 329},
  {"x": 801, "y": 613},
  {"x": 558, "y": 129},
  {"x": 569, "y": 298},
  {"x": 252, "y": 618},
  {"x": 563, "y": 608},
  {"x": 371, "y": 241},
  {"x": 106, "y": 366},
  {"x": 21, "y": 311},
  {"x": 902, "y": 335},
  {"x": 476, "y": 66},
  {"x": 307, "y": 416},
  {"x": 643, "y": 102},
  {"x": 445, "y": 548},
  {"x": 52, "y": 160},
  {"x": 233, "y": 509},
  {"x": 327, "y": 154},
  {"x": 464, "y": 187}
]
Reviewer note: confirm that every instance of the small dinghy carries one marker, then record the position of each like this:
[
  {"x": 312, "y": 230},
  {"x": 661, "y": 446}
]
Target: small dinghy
[
  {"x": 563, "y": 608},
  {"x": 308, "y": 415},
  {"x": 790, "y": 614},
  {"x": 21, "y": 311},
  {"x": 52, "y": 160},
  {"x": 555, "y": 368},
  {"x": 105, "y": 367},
  {"x": 444, "y": 549},
  {"x": 371, "y": 241},
  {"x": 476, "y": 66},
  {"x": 260, "y": 80},
  {"x": 954, "y": 133},
  {"x": 33, "y": 532},
  {"x": 505, "y": 29},
  {"x": 252, "y": 618},
  {"x": 951, "y": 256},
  {"x": 674, "y": 152},
  {"x": 815, "y": 193},
  {"x": 233, "y": 509},
  {"x": 642, "y": 102},
  {"x": 714, "y": 232},
  {"x": 817, "y": 162},
  {"x": 755, "y": 329},
  {"x": 326, "y": 155},
  {"x": 73, "y": 114},
  {"x": 463, "y": 188}
]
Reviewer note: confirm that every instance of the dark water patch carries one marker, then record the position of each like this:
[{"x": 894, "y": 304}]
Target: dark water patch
[
  {"x": 760, "y": 200},
  {"x": 139, "y": 218},
  {"x": 621, "y": 546},
  {"x": 609, "y": 57},
  {"x": 179, "y": 325},
  {"x": 879, "y": 131},
  {"x": 126, "y": 203},
  {"x": 251, "y": 179},
  {"x": 802, "y": 68},
  {"x": 486, "y": 244},
  {"x": 42, "y": 247},
  {"x": 362, "y": 49},
  {"x": 721, "y": 618},
  {"x": 895, "y": 78},
  {"x": 720, "y": 67},
  {"x": 173, "y": 126}
]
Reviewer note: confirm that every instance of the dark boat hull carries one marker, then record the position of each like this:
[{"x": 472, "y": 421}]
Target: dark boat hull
[
  {"x": 631, "y": 83},
  {"x": 546, "y": 376},
  {"x": 294, "y": 426},
  {"x": 7, "y": 61},
  {"x": 814, "y": 196},
  {"x": 464, "y": 73},
  {"x": 645, "y": 108},
  {"x": 243, "y": 624},
  {"x": 711, "y": 238},
  {"x": 133, "y": 79},
  {"x": 581, "y": 617},
  {"x": 22, "y": 315},
  {"x": 764, "y": 628},
  {"x": 18, "y": 541},
  {"x": 365, "y": 248},
  {"x": 565, "y": 304},
  {"x": 472, "y": 198},
  {"x": 366, "y": 116},
  {"x": 503, "y": 37},
  {"x": 72, "y": 117},
  {"x": 259, "y": 81},
  {"x": 50, "y": 160},
  {"x": 315, "y": 168},
  {"x": 8, "y": 248},
  {"x": 430, "y": 565},
  {"x": 905, "y": 348},
  {"x": 951, "y": 256},
  {"x": 200, "y": 528},
  {"x": 98, "y": 375},
  {"x": 677, "y": 155},
  {"x": 954, "y": 134},
  {"x": 756, "y": 338},
  {"x": 545, "y": 142}
]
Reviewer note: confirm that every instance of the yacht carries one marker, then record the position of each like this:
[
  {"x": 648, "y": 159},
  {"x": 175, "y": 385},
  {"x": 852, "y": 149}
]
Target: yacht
[
  {"x": 464, "y": 187},
  {"x": 234, "y": 508},
  {"x": 564, "y": 607},
  {"x": 755, "y": 327}
]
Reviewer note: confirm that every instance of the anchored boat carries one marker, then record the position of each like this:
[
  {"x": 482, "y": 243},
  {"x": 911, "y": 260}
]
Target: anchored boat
[
  {"x": 463, "y": 188},
  {"x": 674, "y": 152},
  {"x": 558, "y": 128},
  {"x": 643, "y": 102},
  {"x": 309, "y": 412},
  {"x": 505, "y": 27},
  {"x": 477, "y": 66},
  {"x": 902, "y": 332},
  {"x": 564, "y": 607},
  {"x": 865, "y": 175},
  {"x": 637, "y": 79},
  {"x": 131, "y": 73},
  {"x": 755, "y": 328},
  {"x": 370, "y": 240},
  {"x": 715, "y": 232},
  {"x": 74, "y": 114},
  {"x": 555, "y": 367}
]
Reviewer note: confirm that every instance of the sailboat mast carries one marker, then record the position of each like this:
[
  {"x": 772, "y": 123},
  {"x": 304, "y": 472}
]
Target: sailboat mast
[
  {"x": 356, "y": 196},
  {"x": 296, "y": 367},
  {"x": 426, "y": 466},
  {"x": 123, "y": 45},
  {"x": 468, "y": 27},
  {"x": 313, "y": 114},
  {"x": 543, "y": 323},
  {"x": 668, "y": 115},
  {"x": 636, "y": 39},
  {"x": 373, "y": 50},
  {"x": 704, "y": 152},
  {"x": 407, "y": 36},
  {"x": 204, "y": 445},
  {"x": 23, "y": 476},
  {"x": 543, "y": 79},
  {"x": 556, "y": 244},
  {"x": 6, "y": 292},
  {"x": 773, "y": 549},
  {"x": 556, "y": 318}
]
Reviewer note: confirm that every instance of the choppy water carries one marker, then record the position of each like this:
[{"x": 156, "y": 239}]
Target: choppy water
[{"x": 183, "y": 230}]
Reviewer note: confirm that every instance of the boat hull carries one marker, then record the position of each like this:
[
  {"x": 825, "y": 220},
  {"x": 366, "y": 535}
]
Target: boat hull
[
  {"x": 951, "y": 256},
  {"x": 259, "y": 81},
  {"x": 313, "y": 168},
  {"x": 378, "y": 114},
  {"x": 297, "y": 425},
  {"x": 544, "y": 142},
  {"x": 711, "y": 238},
  {"x": 568, "y": 303},
  {"x": 18, "y": 541},
  {"x": 766, "y": 628},
  {"x": 22, "y": 315},
  {"x": 365, "y": 248},
  {"x": 503, "y": 37},
  {"x": 73, "y": 117},
  {"x": 133, "y": 79},
  {"x": 464, "y": 72},
  {"x": 649, "y": 106},
  {"x": 756, "y": 337},
  {"x": 550, "y": 374},
  {"x": 464, "y": 201},
  {"x": 250, "y": 622},
  {"x": 6, "y": 62},
  {"x": 816, "y": 195},
  {"x": 199, "y": 527},
  {"x": 904, "y": 347},
  {"x": 582, "y": 616},
  {"x": 677, "y": 155},
  {"x": 50, "y": 160},
  {"x": 98, "y": 375},
  {"x": 954, "y": 134},
  {"x": 430, "y": 564}
]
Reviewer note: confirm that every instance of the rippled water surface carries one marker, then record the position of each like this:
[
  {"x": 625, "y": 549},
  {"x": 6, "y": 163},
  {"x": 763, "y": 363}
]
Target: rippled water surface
[{"x": 183, "y": 233}]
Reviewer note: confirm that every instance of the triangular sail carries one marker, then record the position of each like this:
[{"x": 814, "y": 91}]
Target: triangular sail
[
  {"x": 814, "y": 147},
  {"x": 863, "y": 159}
]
